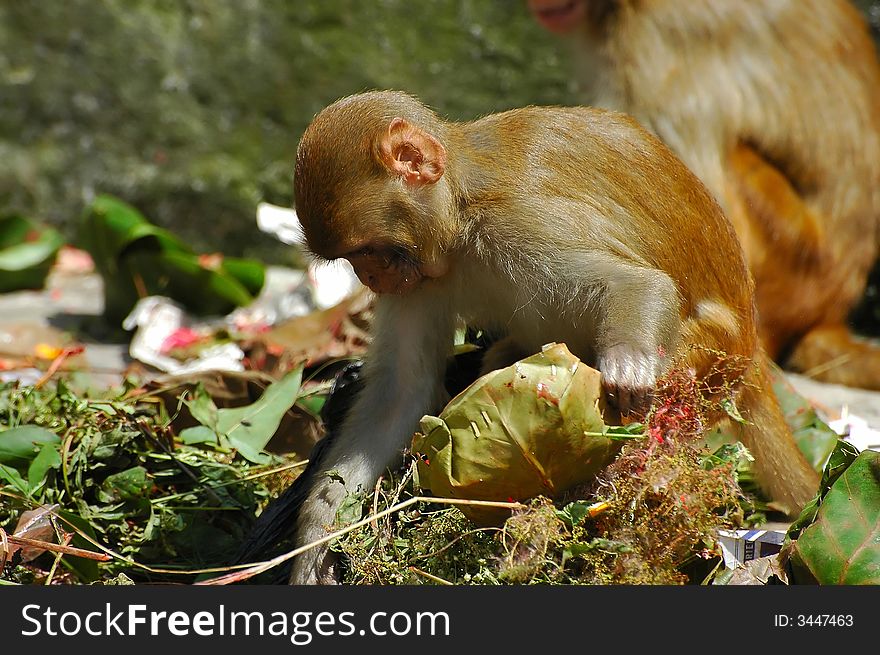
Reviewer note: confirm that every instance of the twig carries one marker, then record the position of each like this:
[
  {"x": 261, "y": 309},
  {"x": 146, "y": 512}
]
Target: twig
[
  {"x": 58, "y": 556},
  {"x": 275, "y": 561},
  {"x": 376, "y": 492},
  {"x": 827, "y": 366},
  {"x": 430, "y": 576},
  {"x": 56, "y": 364},
  {"x": 46, "y": 545}
]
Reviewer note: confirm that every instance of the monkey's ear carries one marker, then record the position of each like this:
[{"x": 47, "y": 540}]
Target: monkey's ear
[{"x": 418, "y": 157}]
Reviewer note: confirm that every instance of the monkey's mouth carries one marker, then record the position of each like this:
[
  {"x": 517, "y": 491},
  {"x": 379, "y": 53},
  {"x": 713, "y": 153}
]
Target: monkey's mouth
[
  {"x": 386, "y": 269},
  {"x": 558, "y": 16}
]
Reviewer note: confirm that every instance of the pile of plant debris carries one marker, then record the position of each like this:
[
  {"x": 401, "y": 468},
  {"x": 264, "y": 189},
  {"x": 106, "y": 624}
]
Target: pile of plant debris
[
  {"x": 115, "y": 476},
  {"x": 651, "y": 516},
  {"x": 163, "y": 483}
]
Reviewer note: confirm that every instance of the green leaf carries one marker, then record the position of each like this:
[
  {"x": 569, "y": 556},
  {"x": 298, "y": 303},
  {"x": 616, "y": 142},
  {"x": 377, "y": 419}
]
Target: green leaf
[
  {"x": 198, "y": 434},
  {"x": 815, "y": 438},
  {"x": 136, "y": 257},
  {"x": 87, "y": 569},
  {"x": 48, "y": 458},
  {"x": 13, "y": 477},
  {"x": 842, "y": 546},
  {"x": 313, "y": 403},
  {"x": 574, "y": 513},
  {"x": 351, "y": 509},
  {"x": 250, "y": 273},
  {"x": 27, "y": 252},
  {"x": 130, "y": 484},
  {"x": 840, "y": 459},
  {"x": 843, "y": 455},
  {"x": 202, "y": 407},
  {"x": 18, "y": 446},
  {"x": 250, "y": 428}
]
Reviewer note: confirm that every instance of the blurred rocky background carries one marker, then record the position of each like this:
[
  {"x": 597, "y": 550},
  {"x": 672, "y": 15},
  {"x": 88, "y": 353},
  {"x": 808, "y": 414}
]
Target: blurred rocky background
[{"x": 191, "y": 110}]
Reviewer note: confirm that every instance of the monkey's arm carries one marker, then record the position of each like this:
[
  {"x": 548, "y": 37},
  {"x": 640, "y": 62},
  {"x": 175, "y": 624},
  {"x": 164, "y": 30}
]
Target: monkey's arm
[
  {"x": 639, "y": 317},
  {"x": 403, "y": 381}
]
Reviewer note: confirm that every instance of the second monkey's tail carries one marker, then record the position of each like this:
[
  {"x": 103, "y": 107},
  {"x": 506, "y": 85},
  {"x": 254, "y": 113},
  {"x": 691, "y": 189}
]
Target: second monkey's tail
[{"x": 781, "y": 468}]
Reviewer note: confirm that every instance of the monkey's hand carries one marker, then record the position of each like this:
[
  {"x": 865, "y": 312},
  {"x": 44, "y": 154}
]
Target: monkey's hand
[
  {"x": 318, "y": 565},
  {"x": 629, "y": 375}
]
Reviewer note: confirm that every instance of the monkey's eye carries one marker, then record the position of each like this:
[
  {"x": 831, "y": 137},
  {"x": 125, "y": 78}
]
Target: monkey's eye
[{"x": 386, "y": 262}]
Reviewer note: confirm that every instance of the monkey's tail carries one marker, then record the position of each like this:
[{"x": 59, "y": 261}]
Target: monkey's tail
[
  {"x": 273, "y": 529},
  {"x": 781, "y": 468}
]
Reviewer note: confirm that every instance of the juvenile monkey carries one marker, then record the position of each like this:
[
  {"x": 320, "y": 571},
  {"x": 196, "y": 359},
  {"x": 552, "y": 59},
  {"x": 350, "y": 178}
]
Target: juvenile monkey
[
  {"x": 775, "y": 105},
  {"x": 572, "y": 225}
]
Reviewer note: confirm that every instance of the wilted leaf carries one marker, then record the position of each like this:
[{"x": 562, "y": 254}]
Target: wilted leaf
[
  {"x": 761, "y": 571},
  {"x": 842, "y": 546},
  {"x": 35, "y": 524},
  {"x": 533, "y": 428},
  {"x": 18, "y": 446}
]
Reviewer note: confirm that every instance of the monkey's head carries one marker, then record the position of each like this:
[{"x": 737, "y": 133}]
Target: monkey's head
[{"x": 371, "y": 186}]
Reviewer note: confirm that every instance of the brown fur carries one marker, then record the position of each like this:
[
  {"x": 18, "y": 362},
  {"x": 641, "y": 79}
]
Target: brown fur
[
  {"x": 775, "y": 104},
  {"x": 572, "y": 225}
]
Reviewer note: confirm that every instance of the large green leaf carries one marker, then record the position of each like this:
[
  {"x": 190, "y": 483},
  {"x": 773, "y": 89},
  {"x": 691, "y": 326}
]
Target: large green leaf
[
  {"x": 48, "y": 458},
  {"x": 250, "y": 428},
  {"x": 136, "y": 257},
  {"x": 18, "y": 446},
  {"x": 247, "y": 429},
  {"x": 532, "y": 428},
  {"x": 842, "y": 546},
  {"x": 27, "y": 252},
  {"x": 841, "y": 457}
]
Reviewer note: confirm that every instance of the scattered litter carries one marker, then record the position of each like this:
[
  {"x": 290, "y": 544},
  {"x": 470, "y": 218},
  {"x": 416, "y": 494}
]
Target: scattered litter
[
  {"x": 740, "y": 546},
  {"x": 332, "y": 282},
  {"x": 287, "y": 293},
  {"x": 157, "y": 320},
  {"x": 856, "y": 430}
]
